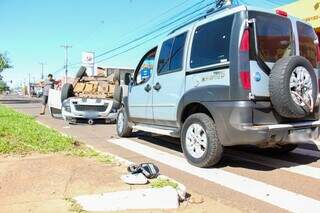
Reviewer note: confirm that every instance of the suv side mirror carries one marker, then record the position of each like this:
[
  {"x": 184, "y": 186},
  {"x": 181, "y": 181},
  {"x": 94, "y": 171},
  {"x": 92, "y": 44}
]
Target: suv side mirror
[{"x": 127, "y": 78}]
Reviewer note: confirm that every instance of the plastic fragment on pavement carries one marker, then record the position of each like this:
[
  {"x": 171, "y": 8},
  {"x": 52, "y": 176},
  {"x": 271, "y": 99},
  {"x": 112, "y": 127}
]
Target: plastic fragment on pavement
[
  {"x": 134, "y": 179},
  {"x": 164, "y": 198}
]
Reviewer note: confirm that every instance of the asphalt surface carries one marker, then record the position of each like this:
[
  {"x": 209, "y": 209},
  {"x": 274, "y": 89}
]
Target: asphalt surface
[{"x": 246, "y": 179}]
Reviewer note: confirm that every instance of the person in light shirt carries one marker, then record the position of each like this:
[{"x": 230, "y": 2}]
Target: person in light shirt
[{"x": 47, "y": 85}]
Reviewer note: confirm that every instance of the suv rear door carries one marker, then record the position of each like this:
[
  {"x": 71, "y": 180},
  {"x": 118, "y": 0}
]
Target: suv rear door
[
  {"x": 169, "y": 80},
  {"x": 274, "y": 40}
]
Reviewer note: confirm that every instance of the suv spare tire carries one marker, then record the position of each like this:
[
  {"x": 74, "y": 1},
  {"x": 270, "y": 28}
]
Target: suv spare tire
[
  {"x": 66, "y": 92},
  {"x": 82, "y": 72},
  {"x": 293, "y": 87}
]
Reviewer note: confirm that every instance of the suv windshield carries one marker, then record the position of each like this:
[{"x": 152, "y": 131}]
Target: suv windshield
[{"x": 274, "y": 36}]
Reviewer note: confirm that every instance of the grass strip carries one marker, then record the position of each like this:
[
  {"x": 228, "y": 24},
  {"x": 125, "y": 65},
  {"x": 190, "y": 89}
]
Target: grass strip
[{"x": 20, "y": 134}]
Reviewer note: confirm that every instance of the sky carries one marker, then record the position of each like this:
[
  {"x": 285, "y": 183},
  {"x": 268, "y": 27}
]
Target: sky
[{"x": 32, "y": 31}]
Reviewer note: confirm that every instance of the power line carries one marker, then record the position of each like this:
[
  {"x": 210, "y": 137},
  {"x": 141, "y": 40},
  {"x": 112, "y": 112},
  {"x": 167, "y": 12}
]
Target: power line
[
  {"x": 155, "y": 30},
  {"x": 150, "y": 33},
  {"x": 152, "y": 38}
]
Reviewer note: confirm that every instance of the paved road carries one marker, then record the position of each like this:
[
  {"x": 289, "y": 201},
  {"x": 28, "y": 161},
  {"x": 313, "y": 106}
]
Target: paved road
[{"x": 246, "y": 179}]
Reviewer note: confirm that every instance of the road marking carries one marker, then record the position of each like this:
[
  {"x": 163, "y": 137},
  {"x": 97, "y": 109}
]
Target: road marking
[
  {"x": 304, "y": 170},
  {"x": 276, "y": 196},
  {"x": 307, "y": 152}
]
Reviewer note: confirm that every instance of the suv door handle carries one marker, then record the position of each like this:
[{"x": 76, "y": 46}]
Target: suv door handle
[
  {"x": 147, "y": 88},
  {"x": 157, "y": 86}
]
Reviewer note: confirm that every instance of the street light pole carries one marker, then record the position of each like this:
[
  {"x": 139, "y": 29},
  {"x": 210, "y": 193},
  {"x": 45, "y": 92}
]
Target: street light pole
[
  {"x": 66, "y": 47},
  {"x": 42, "y": 65}
]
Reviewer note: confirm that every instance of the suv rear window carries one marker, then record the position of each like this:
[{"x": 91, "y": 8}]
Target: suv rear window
[
  {"x": 307, "y": 46},
  {"x": 171, "y": 55},
  {"x": 211, "y": 43},
  {"x": 274, "y": 36}
]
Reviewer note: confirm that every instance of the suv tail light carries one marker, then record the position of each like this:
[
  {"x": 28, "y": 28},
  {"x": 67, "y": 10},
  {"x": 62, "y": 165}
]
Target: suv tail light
[
  {"x": 244, "y": 60},
  {"x": 245, "y": 41},
  {"x": 245, "y": 80}
]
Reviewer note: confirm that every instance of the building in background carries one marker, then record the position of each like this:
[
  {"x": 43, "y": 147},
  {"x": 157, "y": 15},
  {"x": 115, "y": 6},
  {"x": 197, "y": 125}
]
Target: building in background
[{"x": 307, "y": 10}]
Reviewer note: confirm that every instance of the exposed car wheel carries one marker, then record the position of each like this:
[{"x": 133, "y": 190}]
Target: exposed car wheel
[
  {"x": 282, "y": 148},
  {"x": 123, "y": 128},
  {"x": 117, "y": 97},
  {"x": 66, "y": 92},
  {"x": 82, "y": 72},
  {"x": 293, "y": 87},
  {"x": 199, "y": 140}
]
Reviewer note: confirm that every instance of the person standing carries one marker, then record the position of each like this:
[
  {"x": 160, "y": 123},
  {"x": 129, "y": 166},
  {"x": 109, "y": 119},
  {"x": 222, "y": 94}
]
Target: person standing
[{"x": 47, "y": 85}]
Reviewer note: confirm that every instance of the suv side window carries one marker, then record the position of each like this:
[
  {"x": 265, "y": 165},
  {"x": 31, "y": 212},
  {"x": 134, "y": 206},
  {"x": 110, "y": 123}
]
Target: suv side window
[
  {"x": 307, "y": 46},
  {"x": 171, "y": 55},
  {"x": 146, "y": 68},
  {"x": 211, "y": 43}
]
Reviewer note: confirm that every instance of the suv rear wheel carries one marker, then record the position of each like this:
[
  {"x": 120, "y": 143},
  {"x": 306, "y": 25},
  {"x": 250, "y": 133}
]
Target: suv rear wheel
[
  {"x": 123, "y": 128},
  {"x": 200, "y": 143}
]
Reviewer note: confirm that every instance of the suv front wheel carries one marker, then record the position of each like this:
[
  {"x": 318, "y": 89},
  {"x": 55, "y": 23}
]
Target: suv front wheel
[
  {"x": 123, "y": 128},
  {"x": 200, "y": 143}
]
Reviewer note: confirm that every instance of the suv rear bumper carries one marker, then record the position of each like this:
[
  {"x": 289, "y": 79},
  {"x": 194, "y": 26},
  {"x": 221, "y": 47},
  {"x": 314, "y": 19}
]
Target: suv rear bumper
[
  {"x": 292, "y": 126},
  {"x": 235, "y": 123}
]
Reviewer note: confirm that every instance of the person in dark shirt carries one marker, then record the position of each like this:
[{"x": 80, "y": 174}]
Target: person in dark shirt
[{"x": 47, "y": 85}]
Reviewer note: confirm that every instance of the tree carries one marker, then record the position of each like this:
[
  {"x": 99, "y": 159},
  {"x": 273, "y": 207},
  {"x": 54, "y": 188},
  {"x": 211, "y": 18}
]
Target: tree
[
  {"x": 3, "y": 86},
  {"x": 4, "y": 62}
]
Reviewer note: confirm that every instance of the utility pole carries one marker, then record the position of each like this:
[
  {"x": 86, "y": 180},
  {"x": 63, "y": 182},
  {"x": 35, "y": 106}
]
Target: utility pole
[
  {"x": 42, "y": 65},
  {"x": 29, "y": 85},
  {"x": 66, "y": 47}
]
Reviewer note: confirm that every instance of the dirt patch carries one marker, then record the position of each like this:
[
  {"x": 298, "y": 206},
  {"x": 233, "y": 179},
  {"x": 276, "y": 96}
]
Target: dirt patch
[{"x": 43, "y": 183}]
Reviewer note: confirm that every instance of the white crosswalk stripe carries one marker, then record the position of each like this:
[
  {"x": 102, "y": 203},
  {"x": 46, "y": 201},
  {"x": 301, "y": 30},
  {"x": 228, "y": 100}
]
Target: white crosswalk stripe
[
  {"x": 265, "y": 192},
  {"x": 276, "y": 163}
]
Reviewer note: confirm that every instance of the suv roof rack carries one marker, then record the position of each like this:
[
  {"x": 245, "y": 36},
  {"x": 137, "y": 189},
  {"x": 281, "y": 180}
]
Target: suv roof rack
[{"x": 208, "y": 13}]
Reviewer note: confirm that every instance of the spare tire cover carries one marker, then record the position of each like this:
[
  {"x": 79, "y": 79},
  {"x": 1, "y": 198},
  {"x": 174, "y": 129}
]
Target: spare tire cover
[
  {"x": 66, "y": 92},
  {"x": 293, "y": 87}
]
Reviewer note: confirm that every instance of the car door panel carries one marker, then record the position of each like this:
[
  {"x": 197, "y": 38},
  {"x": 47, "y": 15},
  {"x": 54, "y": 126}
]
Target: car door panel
[
  {"x": 140, "y": 91},
  {"x": 170, "y": 77}
]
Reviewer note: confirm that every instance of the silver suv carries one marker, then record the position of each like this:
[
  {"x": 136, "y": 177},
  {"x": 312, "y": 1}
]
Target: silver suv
[{"x": 236, "y": 76}]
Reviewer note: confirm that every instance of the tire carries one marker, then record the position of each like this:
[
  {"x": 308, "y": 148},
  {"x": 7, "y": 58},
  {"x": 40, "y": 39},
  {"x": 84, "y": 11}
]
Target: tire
[
  {"x": 214, "y": 150},
  {"x": 82, "y": 72},
  {"x": 117, "y": 97},
  {"x": 279, "y": 87},
  {"x": 117, "y": 77},
  {"x": 66, "y": 92},
  {"x": 282, "y": 149},
  {"x": 122, "y": 124}
]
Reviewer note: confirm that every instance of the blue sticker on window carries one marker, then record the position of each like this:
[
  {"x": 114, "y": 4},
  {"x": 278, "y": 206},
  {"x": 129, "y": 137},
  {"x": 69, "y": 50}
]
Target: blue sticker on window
[{"x": 145, "y": 73}]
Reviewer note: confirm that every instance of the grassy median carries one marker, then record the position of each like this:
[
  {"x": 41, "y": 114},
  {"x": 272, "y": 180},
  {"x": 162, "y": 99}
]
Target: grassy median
[{"x": 20, "y": 134}]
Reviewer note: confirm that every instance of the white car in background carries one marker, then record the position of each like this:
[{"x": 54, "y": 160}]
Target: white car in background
[{"x": 74, "y": 106}]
